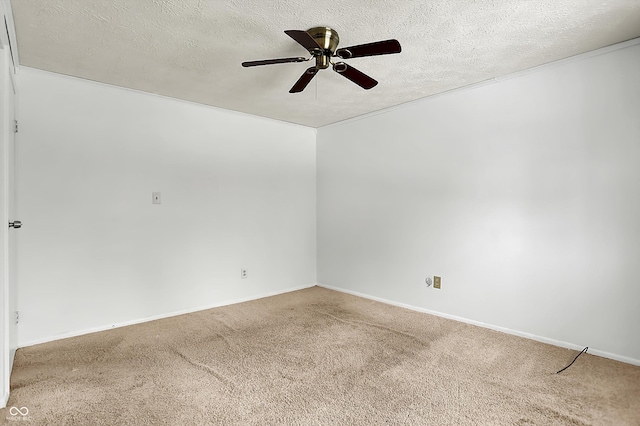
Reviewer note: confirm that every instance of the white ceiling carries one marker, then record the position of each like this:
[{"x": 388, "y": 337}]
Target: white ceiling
[{"x": 192, "y": 49}]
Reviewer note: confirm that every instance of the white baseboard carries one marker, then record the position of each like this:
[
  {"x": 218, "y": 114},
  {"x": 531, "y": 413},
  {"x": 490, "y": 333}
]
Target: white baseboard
[
  {"x": 4, "y": 399},
  {"x": 542, "y": 339},
  {"x": 157, "y": 317}
]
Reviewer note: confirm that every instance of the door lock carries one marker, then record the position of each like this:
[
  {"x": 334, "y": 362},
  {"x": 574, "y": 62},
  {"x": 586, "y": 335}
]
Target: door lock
[{"x": 15, "y": 224}]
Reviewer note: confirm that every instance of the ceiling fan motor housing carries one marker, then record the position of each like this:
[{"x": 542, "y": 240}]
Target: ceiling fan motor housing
[{"x": 328, "y": 40}]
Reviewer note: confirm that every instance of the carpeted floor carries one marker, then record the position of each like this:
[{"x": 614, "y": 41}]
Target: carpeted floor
[{"x": 316, "y": 357}]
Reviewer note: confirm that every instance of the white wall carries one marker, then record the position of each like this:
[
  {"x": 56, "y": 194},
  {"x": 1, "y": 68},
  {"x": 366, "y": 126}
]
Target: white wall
[
  {"x": 237, "y": 191},
  {"x": 524, "y": 195}
]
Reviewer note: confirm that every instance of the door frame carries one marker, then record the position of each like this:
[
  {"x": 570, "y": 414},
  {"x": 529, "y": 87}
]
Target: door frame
[
  {"x": 4, "y": 237},
  {"x": 8, "y": 328}
]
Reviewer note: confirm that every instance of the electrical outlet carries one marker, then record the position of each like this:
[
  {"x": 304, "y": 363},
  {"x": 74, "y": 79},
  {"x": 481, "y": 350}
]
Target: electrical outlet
[
  {"x": 437, "y": 281},
  {"x": 428, "y": 281},
  {"x": 243, "y": 273}
]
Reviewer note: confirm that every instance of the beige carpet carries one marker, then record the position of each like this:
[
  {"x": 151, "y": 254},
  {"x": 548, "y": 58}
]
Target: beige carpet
[{"x": 316, "y": 357}]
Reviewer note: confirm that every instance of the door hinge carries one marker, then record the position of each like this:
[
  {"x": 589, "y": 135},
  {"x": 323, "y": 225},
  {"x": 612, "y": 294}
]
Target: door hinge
[
  {"x": 15, "y": 126},
  {"x": 17, "y": 317}
]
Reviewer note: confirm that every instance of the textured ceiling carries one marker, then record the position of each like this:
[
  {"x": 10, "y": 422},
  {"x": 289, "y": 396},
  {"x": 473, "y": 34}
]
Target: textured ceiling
[{"x": 192, "y": 49}]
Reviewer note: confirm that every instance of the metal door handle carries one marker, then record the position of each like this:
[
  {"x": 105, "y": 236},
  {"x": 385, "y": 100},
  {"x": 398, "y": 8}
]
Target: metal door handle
[{"x": 15, "y": 224}]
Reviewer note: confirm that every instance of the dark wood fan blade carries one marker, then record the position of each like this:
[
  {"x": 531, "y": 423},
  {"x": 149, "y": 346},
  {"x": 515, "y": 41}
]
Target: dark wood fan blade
[
  {"x": 358, "y": 77},
  {"x": 304, "y": 39},
  {"x": 385, "y": 47},
  {"x": 304, "y": 80},
  {"x": 272, "y": 61}
]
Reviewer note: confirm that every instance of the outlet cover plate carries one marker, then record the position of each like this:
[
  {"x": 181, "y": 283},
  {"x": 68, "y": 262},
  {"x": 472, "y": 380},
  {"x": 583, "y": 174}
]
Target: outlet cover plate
[{"x": 437, "y": 281}]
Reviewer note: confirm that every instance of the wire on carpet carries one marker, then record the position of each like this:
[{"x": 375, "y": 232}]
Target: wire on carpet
[{"x": 574, "y": 360}]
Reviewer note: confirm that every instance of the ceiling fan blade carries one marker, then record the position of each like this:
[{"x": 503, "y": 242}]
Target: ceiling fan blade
[
  {"x": 304, "y": 80},
  {"x": 385, "y": 47},
  {"x": 272, "y": 61},
  {"x": 358, "y": 77},
  {"x": 304, "y": 39}
]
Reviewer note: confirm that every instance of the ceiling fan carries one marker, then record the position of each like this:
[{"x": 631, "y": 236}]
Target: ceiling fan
[{"x": 322, "y": 44}]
